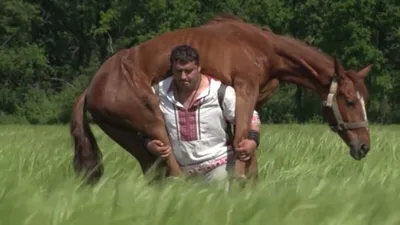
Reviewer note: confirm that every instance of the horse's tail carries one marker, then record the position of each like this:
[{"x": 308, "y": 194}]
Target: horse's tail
[{"x": 87, "y": 156}]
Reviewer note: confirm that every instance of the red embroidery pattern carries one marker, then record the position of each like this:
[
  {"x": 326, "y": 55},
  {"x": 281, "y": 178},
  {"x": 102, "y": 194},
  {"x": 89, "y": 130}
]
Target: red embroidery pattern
[{"x": 188, "y": 124}]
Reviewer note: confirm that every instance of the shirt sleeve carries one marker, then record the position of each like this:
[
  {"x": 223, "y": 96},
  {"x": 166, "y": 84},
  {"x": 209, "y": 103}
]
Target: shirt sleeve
[
  {"x": 153, "y": 87},
  {"x": 229, "y": 106}
]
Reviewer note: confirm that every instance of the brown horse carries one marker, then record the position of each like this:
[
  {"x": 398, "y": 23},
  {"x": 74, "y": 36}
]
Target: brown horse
[{"x": 251, "y": 59}]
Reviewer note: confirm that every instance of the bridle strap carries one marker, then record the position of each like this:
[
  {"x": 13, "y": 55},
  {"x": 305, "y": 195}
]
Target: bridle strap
[
  {"x": 332, "y": 93},
  {"x": 332, "y": 103}
]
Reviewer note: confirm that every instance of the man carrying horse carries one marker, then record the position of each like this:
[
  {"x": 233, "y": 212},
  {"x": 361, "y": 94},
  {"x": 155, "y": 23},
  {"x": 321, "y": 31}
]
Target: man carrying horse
[
  {"x": 199, "y": 112},
  {"x": 250, "y": 59}
]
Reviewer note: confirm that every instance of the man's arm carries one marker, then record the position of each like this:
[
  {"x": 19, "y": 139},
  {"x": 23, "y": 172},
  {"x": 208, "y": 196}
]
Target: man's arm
[
  {"x": 254, "y": 131},
  {"x": 255, "y": 123}
]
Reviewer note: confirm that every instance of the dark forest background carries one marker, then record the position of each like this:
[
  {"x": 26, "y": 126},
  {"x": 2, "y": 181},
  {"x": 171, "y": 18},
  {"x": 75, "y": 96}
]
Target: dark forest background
[{"x": 50, "y": 49}]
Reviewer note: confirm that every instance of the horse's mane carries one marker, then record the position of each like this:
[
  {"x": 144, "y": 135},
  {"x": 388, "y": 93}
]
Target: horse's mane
[
  {"x": 292, "y": 46},
  {"x": 285, "y": 44},
  {"x": 224, "y": 17},
  {"x": 229, "y": 17},
  {"x": 298, "y": 47},
  {"x": 313, "y": 54}
]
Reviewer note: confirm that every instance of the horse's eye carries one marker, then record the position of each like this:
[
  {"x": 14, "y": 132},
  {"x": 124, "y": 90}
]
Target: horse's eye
[{"x": 349, "y": 102}]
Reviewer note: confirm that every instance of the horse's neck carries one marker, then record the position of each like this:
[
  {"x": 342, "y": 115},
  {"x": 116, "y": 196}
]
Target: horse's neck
[
  {"x": 303, "y": 73},
  {"x": 301, "y": 64}
]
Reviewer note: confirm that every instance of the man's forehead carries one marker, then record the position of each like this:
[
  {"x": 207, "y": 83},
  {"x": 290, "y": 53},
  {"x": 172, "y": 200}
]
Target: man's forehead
[{"x": 189, "y": 64}]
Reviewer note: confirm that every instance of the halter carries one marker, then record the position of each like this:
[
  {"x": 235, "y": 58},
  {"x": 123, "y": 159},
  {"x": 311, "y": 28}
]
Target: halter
[{"x": 332, "y": 103}]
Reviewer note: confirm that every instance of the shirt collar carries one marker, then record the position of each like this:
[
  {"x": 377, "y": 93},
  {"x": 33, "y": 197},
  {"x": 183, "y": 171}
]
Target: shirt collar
[{"x": 168, "y": 88}]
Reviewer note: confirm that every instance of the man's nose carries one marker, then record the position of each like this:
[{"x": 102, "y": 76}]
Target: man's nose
[{"x": 183, "y": 75}]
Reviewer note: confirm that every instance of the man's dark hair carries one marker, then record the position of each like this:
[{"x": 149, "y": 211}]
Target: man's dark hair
[{"x": 184, "y": 54}]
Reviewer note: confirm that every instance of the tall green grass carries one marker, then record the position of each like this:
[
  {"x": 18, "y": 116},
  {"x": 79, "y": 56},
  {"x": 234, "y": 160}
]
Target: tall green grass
[{"x": 306, "y": 177}]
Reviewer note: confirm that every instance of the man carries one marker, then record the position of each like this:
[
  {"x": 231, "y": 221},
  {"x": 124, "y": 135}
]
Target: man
[{"x": 196, "y": 122}]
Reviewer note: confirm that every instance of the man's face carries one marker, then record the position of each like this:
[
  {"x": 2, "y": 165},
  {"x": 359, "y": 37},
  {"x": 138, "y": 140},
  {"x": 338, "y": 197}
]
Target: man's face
[{"x": 186, "y": 75}]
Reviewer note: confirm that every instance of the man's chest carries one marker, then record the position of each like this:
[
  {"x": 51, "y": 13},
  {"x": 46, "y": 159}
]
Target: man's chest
[{"x": 202, "y": 121}]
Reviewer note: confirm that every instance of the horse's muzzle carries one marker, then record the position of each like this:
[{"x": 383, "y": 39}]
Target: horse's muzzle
[{"x": 358, "y": 150}]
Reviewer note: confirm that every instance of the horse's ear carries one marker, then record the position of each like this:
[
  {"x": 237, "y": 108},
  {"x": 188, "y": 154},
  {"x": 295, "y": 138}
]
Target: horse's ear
[
  {"x": 364, "y": 71},
  {"x": 339, "y": 71}
]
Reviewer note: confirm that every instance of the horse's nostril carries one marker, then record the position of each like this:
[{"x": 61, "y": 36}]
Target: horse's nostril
[{"x": 365, "y": 147}]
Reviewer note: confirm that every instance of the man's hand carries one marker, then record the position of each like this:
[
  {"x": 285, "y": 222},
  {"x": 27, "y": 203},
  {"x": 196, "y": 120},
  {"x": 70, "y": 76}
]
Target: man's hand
[
  {"x": 158, "y": 148},
  {"x": 246, "y": 149}
]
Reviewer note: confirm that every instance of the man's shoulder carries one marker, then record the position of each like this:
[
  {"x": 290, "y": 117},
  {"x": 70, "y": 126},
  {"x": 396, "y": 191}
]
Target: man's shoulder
[
  {"x": 226, "y": 90},
  {"x": 163, "y": 81},
  {"x": 162, "y": 86},
  {"x": 217, "y": 85},
  {"x": 221, "y": 91}
]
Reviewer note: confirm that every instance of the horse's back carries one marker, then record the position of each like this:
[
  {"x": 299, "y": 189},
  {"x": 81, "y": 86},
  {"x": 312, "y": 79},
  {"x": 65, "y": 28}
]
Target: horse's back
[
  {"x": 224, "y": 49},
  {"x": 227, "y": 49}
]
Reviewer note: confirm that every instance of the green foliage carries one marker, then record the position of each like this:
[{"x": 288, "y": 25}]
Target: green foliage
[{"x": 49, "y": 50}]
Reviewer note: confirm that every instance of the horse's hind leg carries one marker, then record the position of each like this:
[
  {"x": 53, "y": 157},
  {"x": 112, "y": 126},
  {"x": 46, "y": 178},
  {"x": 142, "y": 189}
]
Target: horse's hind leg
[
  {"x": 131, "y": 142},
  {"x": 139, "y": 111}
]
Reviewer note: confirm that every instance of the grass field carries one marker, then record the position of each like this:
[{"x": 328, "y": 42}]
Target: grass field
[{"x": 306, "y": 177}]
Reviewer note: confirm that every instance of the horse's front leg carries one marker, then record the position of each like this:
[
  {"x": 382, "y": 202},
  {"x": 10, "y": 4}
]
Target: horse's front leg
[
  {"x": 267, "y": 91},
  {"x": 246, "y": 98}
]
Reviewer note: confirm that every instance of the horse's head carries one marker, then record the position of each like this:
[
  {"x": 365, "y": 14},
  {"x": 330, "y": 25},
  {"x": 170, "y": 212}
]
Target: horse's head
[{"x": 345, "y": 109}]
